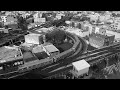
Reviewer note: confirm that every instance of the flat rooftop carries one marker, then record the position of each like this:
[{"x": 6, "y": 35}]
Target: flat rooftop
[
  {"x": 51, "y": 48},
  {"x": 9, "y": 54},
  {"x": 37, "y": 49},
  {"x": 79, "y": 65}
]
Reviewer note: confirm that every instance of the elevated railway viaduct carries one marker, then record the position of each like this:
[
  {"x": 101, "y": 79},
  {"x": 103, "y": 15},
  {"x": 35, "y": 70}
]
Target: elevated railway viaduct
[{"x": 108, "y": 54}]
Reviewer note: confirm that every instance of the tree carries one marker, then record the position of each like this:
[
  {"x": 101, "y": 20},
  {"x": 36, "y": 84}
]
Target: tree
[
  {"x": 58, "y": 23},
  {"x": 56, "y": 36},
  {"x": 22, "y": 23},
  {"x": 115, "y": 75}
]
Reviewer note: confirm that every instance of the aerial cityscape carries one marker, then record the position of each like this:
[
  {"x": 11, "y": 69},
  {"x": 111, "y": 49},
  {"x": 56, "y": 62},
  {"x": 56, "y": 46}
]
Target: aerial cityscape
[{"x": 59, "y": 44}]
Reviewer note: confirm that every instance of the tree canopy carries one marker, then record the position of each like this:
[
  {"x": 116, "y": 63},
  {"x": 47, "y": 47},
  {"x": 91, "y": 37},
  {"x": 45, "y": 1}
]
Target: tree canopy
[
  {"x": 56, "y": 35},
  {"x": 22, "y": 23}
]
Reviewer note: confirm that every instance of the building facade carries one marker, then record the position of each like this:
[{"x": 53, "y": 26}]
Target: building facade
[{"x": 99, "y": 40}]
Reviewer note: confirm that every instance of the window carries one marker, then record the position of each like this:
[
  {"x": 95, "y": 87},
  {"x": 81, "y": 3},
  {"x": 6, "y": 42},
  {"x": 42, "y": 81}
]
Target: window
[
  {"x": 15, "y": 63},
  {"x": 21, "y": 62},
  {"x": 1, "y": 67},
  {"x": 18, "y": 63},
  {"x": 8, "y": 65}
]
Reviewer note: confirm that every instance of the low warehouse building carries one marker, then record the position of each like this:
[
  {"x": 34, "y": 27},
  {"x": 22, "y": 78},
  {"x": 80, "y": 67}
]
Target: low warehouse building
[
  {"x": 51, "y": 50},
  {"x": 39, "y": 52}
]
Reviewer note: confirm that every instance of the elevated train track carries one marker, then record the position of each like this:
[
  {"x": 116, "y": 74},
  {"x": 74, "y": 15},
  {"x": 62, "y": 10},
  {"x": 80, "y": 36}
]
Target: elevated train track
[
  {"x": 82, "y": 48},
  {"x": 61, "y": 68},
  {"x": 78, "y": 49},
  {"x": 92, "y": 58}
]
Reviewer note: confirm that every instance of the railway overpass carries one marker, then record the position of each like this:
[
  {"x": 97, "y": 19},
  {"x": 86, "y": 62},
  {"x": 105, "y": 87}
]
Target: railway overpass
[
  {"x": 92, "y": 57},
  {"x": 62, "y": 63},
  {"x": 61, "y": 68}
]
